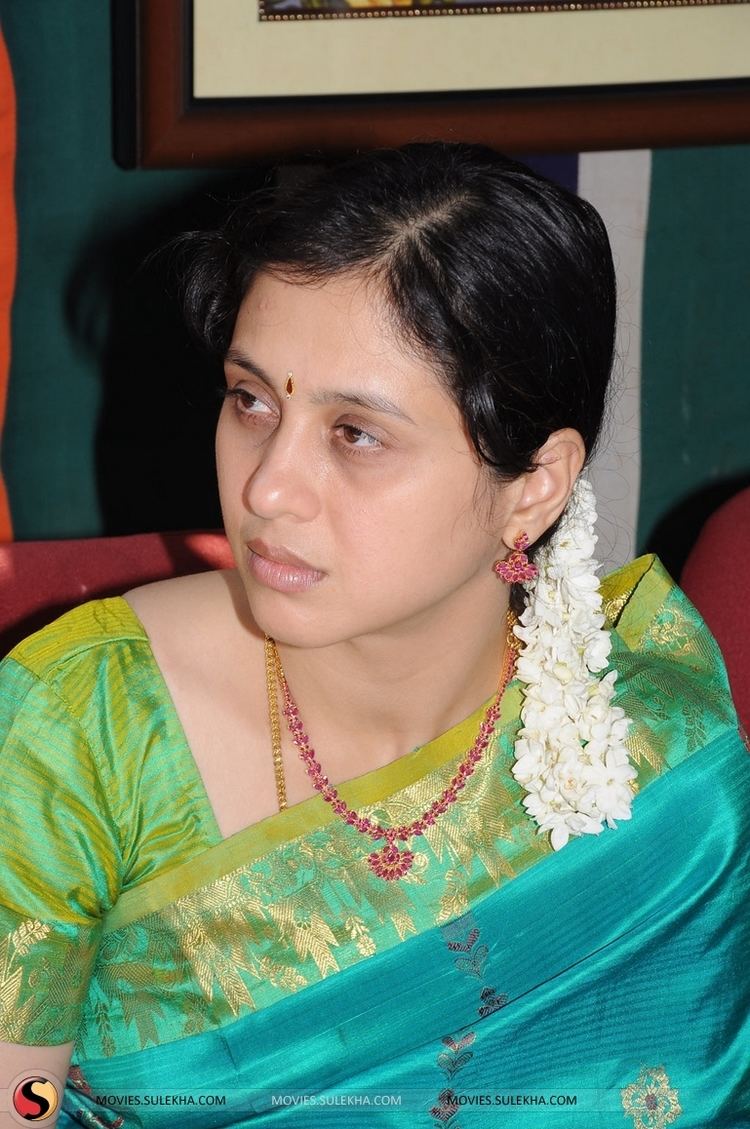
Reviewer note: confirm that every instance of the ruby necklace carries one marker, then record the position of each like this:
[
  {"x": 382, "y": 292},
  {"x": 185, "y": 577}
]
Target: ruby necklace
[{"x": 389, "y": 862}]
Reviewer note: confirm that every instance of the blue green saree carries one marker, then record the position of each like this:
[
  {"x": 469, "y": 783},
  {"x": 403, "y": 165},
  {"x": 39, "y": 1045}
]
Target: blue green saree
[{"x": 273, "y": 979}]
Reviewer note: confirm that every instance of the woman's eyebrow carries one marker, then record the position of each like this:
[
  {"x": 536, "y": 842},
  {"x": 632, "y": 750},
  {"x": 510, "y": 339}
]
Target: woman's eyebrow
[
  {"x": 369, "y": 400},
  {"x": 372, "y": 401},
  {"x": 234, "y": 357}
]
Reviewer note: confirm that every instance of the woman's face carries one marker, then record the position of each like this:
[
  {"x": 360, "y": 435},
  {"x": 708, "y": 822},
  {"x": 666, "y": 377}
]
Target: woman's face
[{"x": 365, "y": 472}]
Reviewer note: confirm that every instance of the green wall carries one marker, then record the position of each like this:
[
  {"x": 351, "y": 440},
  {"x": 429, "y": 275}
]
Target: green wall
[
  {"x": 87, "y": 424},
  {"x": 695, "y": 378}
]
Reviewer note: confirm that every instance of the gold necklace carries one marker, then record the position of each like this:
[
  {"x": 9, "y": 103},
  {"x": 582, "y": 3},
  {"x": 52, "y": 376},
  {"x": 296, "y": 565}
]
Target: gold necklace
[{"x": 389, "y": 862}]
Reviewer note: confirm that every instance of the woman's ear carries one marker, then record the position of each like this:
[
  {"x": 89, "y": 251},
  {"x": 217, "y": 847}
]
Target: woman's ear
[{"x": 546, "y": 489}]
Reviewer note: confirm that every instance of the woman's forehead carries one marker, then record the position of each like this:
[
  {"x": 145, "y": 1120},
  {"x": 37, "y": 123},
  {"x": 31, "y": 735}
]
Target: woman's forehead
[
  {"x": 350, "y": 299},
  {"x": 325, "y": 331}
]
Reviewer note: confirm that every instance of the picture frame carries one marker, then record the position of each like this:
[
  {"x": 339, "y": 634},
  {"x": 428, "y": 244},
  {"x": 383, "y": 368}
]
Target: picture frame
[{"x": 165, "y": 116}]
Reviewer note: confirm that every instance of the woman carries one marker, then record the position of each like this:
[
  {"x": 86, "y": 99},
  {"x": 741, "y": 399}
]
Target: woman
[{"x": 308, "y": 840}]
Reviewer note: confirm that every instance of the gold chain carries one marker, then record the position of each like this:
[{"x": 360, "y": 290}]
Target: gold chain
[
  {"x": 273, "y": 669},
  {"x": 275, "y": 675}
]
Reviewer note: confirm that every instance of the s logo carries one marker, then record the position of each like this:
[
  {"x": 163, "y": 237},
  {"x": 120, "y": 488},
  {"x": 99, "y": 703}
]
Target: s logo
[{"x": 35, "y": 1098}]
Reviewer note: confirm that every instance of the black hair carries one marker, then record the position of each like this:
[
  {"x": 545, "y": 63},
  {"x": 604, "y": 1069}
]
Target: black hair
[{"x": 500, "y": 278}]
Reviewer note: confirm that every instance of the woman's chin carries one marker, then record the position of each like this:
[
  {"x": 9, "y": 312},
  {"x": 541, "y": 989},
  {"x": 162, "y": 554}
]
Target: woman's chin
[{"x": 292, "y": 624}]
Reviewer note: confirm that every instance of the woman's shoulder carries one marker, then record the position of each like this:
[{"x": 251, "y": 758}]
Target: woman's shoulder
[
  {"x": 648, "y": 611},
  {"x": 95, "y": 655},
  {"x": 90, "y": 682},
  {"x": 637, "y": 588},
  {"x": 192, "y": 602},
  {"x": 672, "y": 680},
  {"x": 93, "y": 624},
  {"x": 189, "y": 598},
  {"x": 194, "y": 619}
]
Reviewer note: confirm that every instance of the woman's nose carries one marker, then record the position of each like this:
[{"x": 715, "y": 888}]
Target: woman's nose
[{"x": 282, "y": 484}]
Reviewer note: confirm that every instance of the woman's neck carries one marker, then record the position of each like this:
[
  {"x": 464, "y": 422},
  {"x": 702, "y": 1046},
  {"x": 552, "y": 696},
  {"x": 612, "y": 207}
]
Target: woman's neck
[{"x": 371, "y": 699}]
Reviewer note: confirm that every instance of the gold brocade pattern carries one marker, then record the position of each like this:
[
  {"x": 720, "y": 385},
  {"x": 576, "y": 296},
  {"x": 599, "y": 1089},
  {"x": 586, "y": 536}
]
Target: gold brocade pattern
[
  {"x": 618, "y": 587},
  {"x": 41, "y": 981},
  {"x": 650, "y": 1100},
  {"x": 310, "y": 909},
  {"x": 613, "y": 606},
  {"x": 14, "y": 1018}
]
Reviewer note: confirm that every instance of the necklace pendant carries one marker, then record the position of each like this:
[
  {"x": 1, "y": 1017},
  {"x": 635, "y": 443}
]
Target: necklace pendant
[{"x": 390, "y": 863}]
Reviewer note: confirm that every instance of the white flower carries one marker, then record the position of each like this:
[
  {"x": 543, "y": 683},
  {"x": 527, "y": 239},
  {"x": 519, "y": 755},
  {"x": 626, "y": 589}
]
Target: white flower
[
  {"x": 570, "y": 752},
  {"x": 596, "y": 651}
]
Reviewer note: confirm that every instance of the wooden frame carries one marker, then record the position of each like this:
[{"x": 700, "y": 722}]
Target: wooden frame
[{"x": 159, "y": 124}]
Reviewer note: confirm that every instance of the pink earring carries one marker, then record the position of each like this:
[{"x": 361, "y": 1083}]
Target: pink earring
[{"x": 517, "y": 567}]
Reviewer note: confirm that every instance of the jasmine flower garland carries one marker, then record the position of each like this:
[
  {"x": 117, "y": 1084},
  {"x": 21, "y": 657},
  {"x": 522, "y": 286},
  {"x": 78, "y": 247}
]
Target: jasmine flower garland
[{"x": 570, "y": 754}]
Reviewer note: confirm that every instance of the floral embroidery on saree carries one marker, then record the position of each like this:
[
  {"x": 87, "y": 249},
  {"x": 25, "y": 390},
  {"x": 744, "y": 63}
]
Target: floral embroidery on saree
[
  {"x": 491, "y": 1001},
  {"x": 444, "y": 1113},
  {"x": 456, "y": 1055},
  {"x": 471, "y": 958},
  {"x": 650, "y": 1100},
  {"x": 450, "y": 1061},
  {"x": 461, "y": 937}
]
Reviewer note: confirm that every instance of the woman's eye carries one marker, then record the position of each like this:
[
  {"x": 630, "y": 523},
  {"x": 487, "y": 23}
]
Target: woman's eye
[
  {"x": 247, "y": 403},
  {"x": 356, "y": 441}
]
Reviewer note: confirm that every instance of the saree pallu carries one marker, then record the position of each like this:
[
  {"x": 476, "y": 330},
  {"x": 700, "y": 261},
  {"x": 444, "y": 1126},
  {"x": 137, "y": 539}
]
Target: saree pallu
[{"x": 273, "y": 979}]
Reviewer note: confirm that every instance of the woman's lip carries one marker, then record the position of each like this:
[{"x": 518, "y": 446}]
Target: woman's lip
[
  {"x": 282, "y": 576},
  {"x": 278, "y": 555}
]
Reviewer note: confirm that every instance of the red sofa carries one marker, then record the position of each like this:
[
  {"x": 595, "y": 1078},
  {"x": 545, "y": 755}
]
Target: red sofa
[{"x": 716, "y": 577}]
